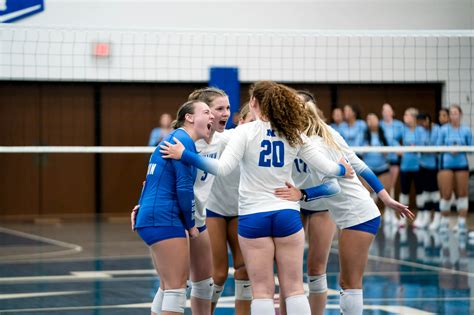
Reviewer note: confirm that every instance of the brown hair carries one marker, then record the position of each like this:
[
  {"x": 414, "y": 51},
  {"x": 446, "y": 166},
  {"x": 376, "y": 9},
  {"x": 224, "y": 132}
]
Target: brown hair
[
  {"x": 284, "y": 109},
  {"x": 206, "y": 95},
  {"x": 455, "y": 106},
  {"x": 318, "y": 127},
  {"x": 186, "y": 108}
]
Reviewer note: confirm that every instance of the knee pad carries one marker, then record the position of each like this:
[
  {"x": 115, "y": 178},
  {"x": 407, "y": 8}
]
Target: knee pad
[
  {"x": 462, "y": 203},
  {"x": 174, "y": 300},
  {"x": 262, "y": 307},
  {"x": 157, "y": 301},
  {"x": 351, "y": 302},
  {"x": 216, "y": 292},
  {"x": 243, "y": 290},
  {"x": 420, "y": 201},
  {"x": 444, "y": 205},
  {"x": 317, "y": 284},
  {"x": 202, "y": 289},
  {"x": 404, "y": 199},
  {"x": 435, "y": 196},
  {"x": 297, "y": 305}
]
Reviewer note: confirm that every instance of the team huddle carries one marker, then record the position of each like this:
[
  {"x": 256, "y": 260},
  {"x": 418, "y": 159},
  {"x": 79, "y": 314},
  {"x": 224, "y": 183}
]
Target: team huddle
[{"x": 258, "y": 188}]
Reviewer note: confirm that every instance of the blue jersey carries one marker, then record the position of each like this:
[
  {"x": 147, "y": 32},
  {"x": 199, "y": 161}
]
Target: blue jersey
[
  {"x": 168, "y": 196},
  {"x": 354, "y": 135},
  {"x": 393, "y": 133},
  {"x": 338, "y": 128},
  {"x": 429, "y": 138},
  {"x": 450, "y": 136},
  {"x": 376, "y": 161},
  {"x": 411, "y": 160}
]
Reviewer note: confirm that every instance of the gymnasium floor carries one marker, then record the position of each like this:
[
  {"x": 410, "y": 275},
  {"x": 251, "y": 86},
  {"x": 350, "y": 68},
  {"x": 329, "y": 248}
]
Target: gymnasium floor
[{"x": 92, "y": 267}]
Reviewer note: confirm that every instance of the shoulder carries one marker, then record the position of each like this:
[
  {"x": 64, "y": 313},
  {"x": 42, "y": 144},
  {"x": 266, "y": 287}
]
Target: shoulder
[
  {"x": 182, "y": 136},
  {"x": 465, "y": 128}
]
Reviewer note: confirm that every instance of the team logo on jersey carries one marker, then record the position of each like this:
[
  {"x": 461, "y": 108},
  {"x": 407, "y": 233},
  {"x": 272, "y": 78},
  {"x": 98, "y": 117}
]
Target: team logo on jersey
[{"x": 13, "y": 10}]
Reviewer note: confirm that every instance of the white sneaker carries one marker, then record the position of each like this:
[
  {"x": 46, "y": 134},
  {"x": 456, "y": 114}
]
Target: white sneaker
[
  {"x": 402, "y": 222},
  {"x": 422, "y": 219},
  {"x": 434, "y": 225}
]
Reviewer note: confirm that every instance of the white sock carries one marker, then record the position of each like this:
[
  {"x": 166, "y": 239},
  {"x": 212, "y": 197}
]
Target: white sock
[
  {"x": 262, "y": 307},
  {"x": 297, "y": 305},
  {"x": 351, "y": 302},
  {"x": 157, "y": 301}
]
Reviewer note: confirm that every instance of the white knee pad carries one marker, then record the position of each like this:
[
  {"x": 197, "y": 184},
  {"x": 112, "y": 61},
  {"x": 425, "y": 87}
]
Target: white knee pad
[
  {"x": 202, "y": 289},
  {"x": 420, "y": 201},
  {"x": 262, "y": 307},
  {"x": 462, "y": 203},
  {"x": 317, "y": 284},
  {"x": 243, "y": 290},
  {"x": 157, "y": 302},
  {"x": 444, "y": 205},
  {"x": 404, "y": 199},
  {"x": 174, "y": 300},
  {"x": 435, "y": 196},
  {"x": 297, "y": 305},
  {"x": 217, "y": 292},
  {"x": 351, "y": 302}
]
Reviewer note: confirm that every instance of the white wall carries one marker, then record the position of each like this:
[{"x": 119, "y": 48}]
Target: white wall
[
  {"x": 259, "y": 14},
  {"x": 149, "y": 42}
]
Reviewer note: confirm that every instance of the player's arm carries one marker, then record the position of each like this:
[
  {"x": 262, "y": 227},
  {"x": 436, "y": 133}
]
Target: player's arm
[
  {"x": 229, "y": 159},
  {"x": 316, "y": 160},
  {"x": 327, "y": 189},
  {"x": 185, "y": 192}
]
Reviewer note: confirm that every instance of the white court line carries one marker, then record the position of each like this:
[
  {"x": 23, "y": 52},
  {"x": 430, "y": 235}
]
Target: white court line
[
  {"x": 38, "y": 294},
  {"x": 415, "y": 265},
  {"x": 71, "y": 248}
]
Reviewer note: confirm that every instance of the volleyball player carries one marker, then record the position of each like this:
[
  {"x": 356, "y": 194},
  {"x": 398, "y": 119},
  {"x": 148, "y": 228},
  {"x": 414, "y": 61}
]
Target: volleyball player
[
  {"x": 429, "y": 173},
  {"x": 202, "y": 285},
  {"x": 410, "y": 164},
  {"x": 354, "y": 129},
  {"x": 269, "y": 228},
  {"x": 222, "y": 218},
  {"x": 393, "y": 130},
  {"x": 454, "y": 168},
  {"x": 167, "y": 209},
  {"x": 351, "y": 207},
  {"x": 377, "y": 161}
]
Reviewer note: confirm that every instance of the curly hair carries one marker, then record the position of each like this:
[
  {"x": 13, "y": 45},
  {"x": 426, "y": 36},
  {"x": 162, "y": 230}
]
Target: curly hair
[
  {"x": 206, "y": 95},
  {"x": 283, "y": 108}
]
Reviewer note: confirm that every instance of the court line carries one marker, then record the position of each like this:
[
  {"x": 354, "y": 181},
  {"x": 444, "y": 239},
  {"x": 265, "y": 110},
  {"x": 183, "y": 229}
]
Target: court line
[
  {"x": 414, "y": 264},
  {"x": 71, "y": 248},
  {"x": 12, "y": 296}
]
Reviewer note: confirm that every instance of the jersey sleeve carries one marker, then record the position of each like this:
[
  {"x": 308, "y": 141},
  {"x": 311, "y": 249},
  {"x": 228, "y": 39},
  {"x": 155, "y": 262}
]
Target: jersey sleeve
[
  {"x": 185, "y": 191},
  {"x": 316, "y": 160},
  {"x": 233, "y": 153},
  {"x": 327, "y": 189}
]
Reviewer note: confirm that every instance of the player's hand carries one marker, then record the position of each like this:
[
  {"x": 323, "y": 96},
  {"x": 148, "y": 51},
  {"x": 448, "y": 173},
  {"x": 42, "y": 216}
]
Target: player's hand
[
  {"x": 289, "y": 192},
  {"x": 349, "y": 171},
  {"x": 172, "y": 151},
  {"x": 133, "y": 216},
  {"x": 395, "y": 205},
  {"x": 193, "y": 232}
]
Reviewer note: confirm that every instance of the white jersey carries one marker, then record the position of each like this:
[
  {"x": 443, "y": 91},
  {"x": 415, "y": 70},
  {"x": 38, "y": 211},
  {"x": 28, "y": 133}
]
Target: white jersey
[
  {"x": 353, "y": 204},
  {"x": 204, "y": 180},
  {"x": 224, "y": 197},
  {"x": 266, "y": 161}
]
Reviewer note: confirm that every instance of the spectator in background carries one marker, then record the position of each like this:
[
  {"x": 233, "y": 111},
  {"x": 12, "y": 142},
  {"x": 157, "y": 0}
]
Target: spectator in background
[
  {"x": 157, "y": 134},
  {"x": 454, "y": 169},
  {"x": 377, "y": 161},
  {"x": 393, "y": 130},
  {"x": 354, "y": 129},
  {"x": 443, "y": 116},
  {"x": 410, "y": 164},
  {"x": 338, "y": 122},
  {"x": 429, "y": 173}
]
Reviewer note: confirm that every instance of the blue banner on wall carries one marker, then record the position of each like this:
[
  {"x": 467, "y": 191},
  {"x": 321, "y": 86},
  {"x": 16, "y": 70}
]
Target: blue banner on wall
[
  {"x": 227, "y": 79},
  {"x": 13, "y": 10}
]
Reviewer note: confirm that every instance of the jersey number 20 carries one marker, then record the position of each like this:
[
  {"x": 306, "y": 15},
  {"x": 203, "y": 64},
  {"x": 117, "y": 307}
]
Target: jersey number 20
[{"x": 273, "y": 154}]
